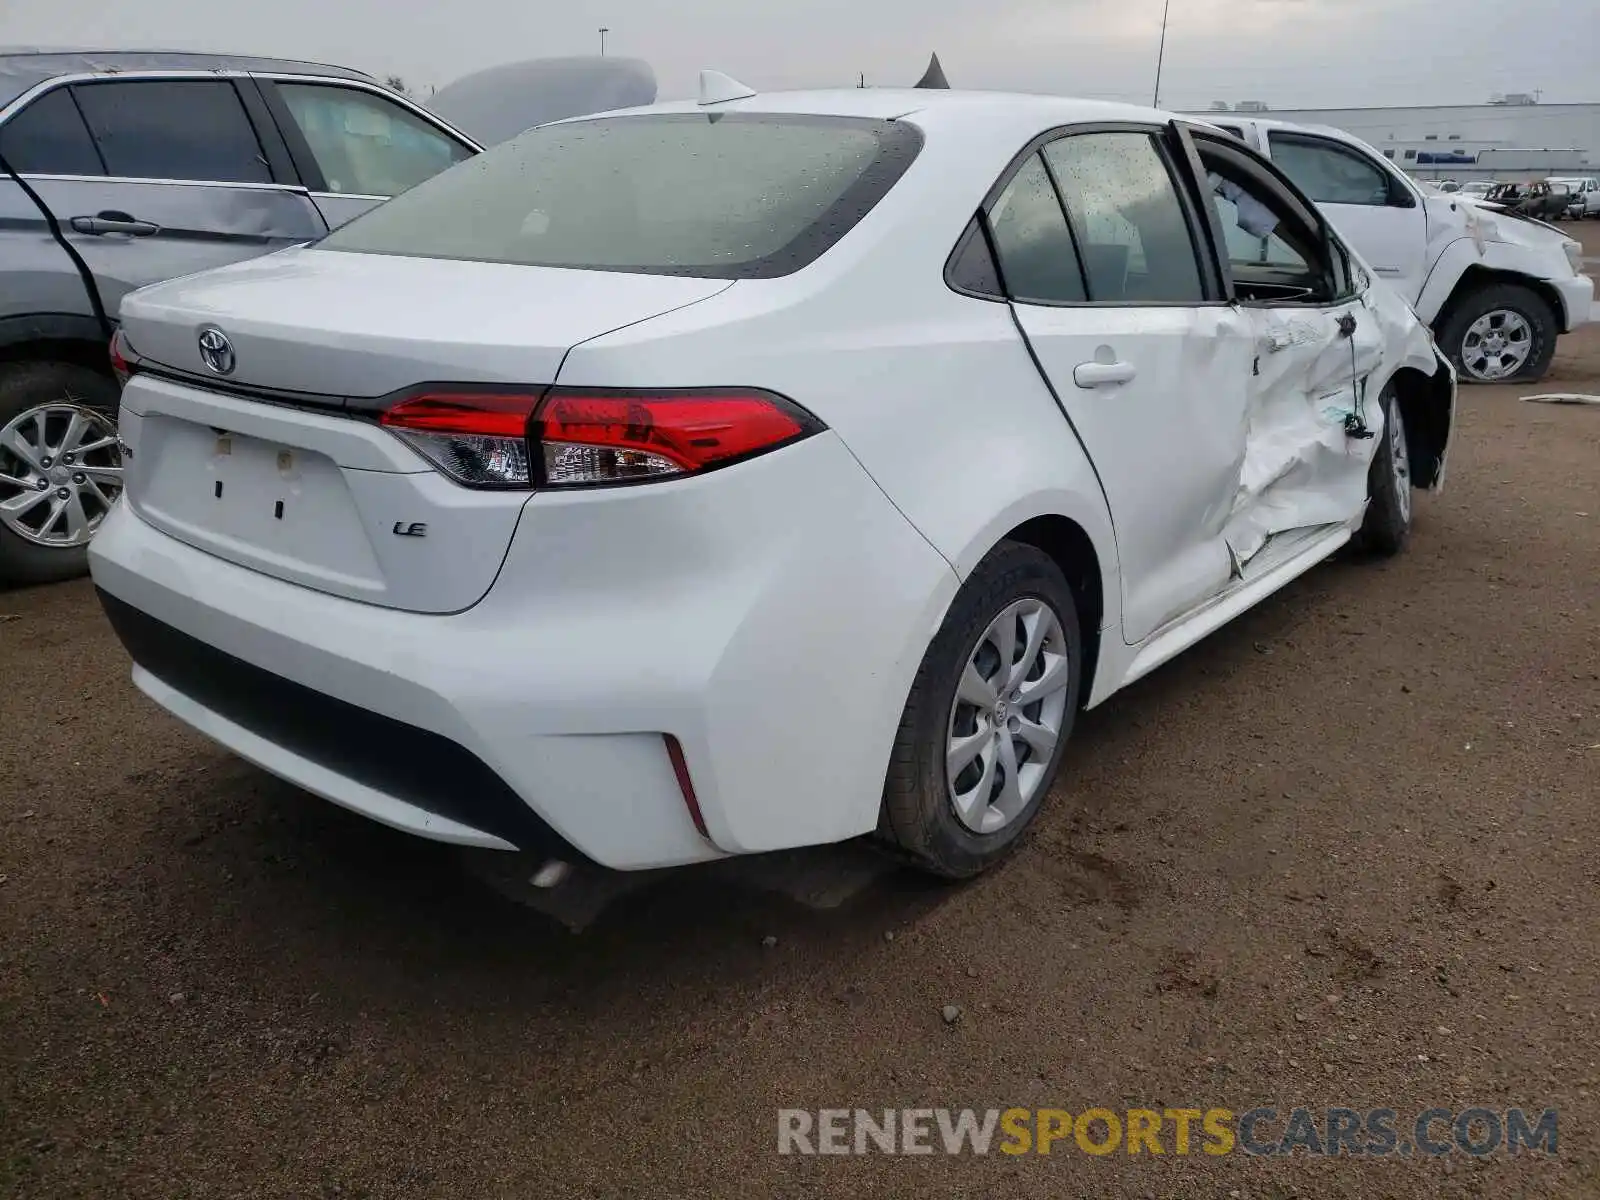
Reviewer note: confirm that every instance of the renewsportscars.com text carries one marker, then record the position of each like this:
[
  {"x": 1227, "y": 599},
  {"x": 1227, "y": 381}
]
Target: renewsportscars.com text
[{"x": 1264, "y": 1132}]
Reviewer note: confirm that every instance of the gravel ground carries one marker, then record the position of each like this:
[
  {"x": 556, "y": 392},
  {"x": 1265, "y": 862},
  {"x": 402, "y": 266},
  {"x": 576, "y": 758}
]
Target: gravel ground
[{"x": 1340, "y": 853}]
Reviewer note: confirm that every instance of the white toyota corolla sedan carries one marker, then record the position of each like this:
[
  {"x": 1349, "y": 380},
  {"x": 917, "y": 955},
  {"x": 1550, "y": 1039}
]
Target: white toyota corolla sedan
[{"x": 752, "y": 473}]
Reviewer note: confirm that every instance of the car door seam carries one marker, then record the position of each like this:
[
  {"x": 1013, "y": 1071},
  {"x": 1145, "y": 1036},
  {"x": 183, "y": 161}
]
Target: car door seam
[
  {"x": 567, "y": 353},
  {"x": 1050, "y": 386},
  {"x": 917, "y": 529},
  {"x": 522, "y": 512},
  {"x": 84, "y": 274},
  {"x": 987, "y": 230}
]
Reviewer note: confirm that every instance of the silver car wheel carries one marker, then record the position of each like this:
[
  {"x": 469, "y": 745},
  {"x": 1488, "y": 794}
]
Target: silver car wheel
[
  {"x": 60, "y": 473},
  {"x": 1400, "y": 461},
  {"x": 1497, "y": 345},
  {"x": 1007, "y": 716}
]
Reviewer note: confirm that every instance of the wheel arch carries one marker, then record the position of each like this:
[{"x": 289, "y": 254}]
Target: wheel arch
[
  {"x": 1072, "y": 549},
  {"x": 55, "y": 337},
  {"x": 1477, "y": 277},
  {"x": 1427, "y": 406}
]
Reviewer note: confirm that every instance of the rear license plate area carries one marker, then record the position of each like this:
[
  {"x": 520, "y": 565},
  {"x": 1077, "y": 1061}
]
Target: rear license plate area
[{"x": 258, "y": 502}]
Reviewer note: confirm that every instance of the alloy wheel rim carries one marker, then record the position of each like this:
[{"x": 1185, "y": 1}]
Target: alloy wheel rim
[
  {"x": 1007, "y": 716},
  {"x": 60, "y": 473},
  {"x": 1497, "y": 345},
  {"x": 1400, "y": 458}
]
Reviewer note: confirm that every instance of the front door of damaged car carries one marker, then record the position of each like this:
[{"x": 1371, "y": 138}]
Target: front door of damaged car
[
  {"x": 1318, "y": 347},
  {"x": 1099, "y": 255}
]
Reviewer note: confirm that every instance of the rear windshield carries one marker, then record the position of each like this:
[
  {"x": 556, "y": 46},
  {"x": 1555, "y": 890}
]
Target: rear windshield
[{"x": 727, "y": 196}]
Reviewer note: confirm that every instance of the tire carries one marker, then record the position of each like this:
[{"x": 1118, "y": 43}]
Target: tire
[
  {"x": 1388, "y": 520},
  {"x": 1513, "y": 303},
  {"x": 26, "y": 389},
  {"x": 920, "y": 816}
]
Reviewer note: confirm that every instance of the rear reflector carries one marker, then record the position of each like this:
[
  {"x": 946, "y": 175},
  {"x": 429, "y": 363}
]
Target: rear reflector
[
  {"x": 680, "y": 768},
  {"x": 560, "y": 437}
]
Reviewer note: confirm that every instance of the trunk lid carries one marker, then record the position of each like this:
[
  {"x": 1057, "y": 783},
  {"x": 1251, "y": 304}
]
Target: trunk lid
[
  {"x": 339, "y": 324},
  {"x": 314, "y": 491}
]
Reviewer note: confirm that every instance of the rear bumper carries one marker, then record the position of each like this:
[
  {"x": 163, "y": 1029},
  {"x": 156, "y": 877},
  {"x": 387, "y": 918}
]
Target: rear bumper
[
  {"x": 770, "y": 616},
  {"x": 413, "y": 779}
]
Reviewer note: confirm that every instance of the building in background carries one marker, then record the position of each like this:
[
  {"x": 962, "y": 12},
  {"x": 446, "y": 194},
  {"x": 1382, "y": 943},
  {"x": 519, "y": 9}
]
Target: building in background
[{"x": 1514, "y": 137}]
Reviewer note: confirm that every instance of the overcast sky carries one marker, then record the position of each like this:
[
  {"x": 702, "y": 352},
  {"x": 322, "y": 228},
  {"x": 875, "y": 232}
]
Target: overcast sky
[{"x": 1290, "y": 53}]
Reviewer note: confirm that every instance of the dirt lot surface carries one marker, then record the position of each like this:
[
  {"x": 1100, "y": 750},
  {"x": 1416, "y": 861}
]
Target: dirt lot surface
[{"x": 1342, "y": 853}]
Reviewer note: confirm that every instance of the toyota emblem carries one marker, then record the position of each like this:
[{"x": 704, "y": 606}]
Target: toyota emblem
[{"x": 216, "y": 351}]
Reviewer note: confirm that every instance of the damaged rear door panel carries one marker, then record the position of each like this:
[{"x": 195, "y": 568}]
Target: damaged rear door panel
[
  {"x": 132, "y": 233},
  {"x": 179, "y": 181}
]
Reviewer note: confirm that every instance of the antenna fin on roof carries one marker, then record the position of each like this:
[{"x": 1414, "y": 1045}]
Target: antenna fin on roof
[
  {"x": 933, "y": 77},
  {"x": 717, "y": 88}
]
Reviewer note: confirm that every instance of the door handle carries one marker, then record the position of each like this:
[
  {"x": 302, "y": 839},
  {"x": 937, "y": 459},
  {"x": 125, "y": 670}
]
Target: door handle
[
  {"x": 114, "y": 222},
  {"x": 1102, "y": 374}
]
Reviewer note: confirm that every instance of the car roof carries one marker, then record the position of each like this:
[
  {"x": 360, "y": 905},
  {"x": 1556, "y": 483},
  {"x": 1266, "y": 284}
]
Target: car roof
[
  {"x": 22, "y": 69},
  {"x": 929, "y": 107}
]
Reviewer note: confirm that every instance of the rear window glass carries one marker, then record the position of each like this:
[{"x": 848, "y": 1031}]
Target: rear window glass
[
  {"x": 49, "y": 138},
  {"x": 192, "y": 129},
  {"x": 729, "y": 195}
]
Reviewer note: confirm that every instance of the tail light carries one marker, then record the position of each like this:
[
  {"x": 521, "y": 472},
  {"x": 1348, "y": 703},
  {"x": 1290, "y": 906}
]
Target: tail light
[
  {"x": 123, "y": 360},
  {"x": 568, "y": 437},
  {"x": 477, "y": 438}
]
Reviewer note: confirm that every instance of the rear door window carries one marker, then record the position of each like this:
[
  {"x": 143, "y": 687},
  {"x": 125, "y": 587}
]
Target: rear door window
[
  {"x": 190, "y": 129},
  {"x": 1132, "y": 231},
  {"x": 366, "y": 145},
  {"x": 1032, "y": 239},
  {"x": 49, "y": 138},
  {"x": 719, "y": 195}
]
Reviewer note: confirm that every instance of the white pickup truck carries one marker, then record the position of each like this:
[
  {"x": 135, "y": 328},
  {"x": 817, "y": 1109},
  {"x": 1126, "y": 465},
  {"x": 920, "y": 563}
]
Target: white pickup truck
[{"x": 1497, "y": 289}]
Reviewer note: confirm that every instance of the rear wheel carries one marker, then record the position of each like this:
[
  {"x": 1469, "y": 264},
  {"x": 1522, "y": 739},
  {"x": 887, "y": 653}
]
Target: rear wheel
[
  {"x": 988, "y": 716},
  {"x": 60, "y": 469},
  {"x": 1503, "y": 333}
]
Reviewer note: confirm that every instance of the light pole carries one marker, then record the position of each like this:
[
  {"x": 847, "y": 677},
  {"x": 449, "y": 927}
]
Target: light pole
[
  {"x": 1166, "y": 10},
  {"x": 603, "y": 31}
]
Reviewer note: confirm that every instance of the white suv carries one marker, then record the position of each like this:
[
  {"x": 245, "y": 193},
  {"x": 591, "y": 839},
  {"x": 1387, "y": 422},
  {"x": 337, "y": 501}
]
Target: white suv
[{"x": 1497, "y": 289}]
